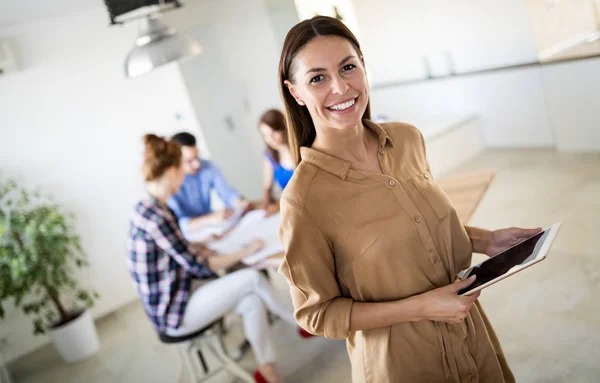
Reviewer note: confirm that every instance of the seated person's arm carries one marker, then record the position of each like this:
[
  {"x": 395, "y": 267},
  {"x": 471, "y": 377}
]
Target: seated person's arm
[
  {"x": 168, "y": 237},
  {"x": 224, "y": 262},
  {"x": 268, "y": 182},
  {"x": 227, "y": 193},
  {"x": 211, "y": 219},
  {"x": 192, "y": 258},
  {"x": 190, "y": 223},
  {"x": 268, "y": 203}
]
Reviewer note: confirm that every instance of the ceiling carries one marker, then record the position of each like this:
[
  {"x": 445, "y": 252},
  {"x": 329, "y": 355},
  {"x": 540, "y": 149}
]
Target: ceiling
[{"x": 20, "y": 11}]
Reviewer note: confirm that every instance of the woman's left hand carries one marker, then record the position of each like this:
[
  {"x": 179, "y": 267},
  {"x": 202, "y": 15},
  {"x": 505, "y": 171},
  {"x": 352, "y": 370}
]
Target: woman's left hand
[
  {"x": 504, "y": 238},
  {"x": 271, "y": 209},
  {"x": 202, "y": 251}
]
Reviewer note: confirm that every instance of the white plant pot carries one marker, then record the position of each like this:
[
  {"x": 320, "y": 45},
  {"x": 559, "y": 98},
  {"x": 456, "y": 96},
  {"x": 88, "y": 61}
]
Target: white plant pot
[{"x": 76, "y": 340}]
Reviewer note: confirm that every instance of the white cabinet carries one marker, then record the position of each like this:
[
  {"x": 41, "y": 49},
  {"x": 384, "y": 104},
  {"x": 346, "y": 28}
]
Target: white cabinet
[
  {"x": 572, "y": 95},
  {"x": 511, "y": 107},
  {"x": 480, "y": 34},
  {"x": 509, "y": 104}
]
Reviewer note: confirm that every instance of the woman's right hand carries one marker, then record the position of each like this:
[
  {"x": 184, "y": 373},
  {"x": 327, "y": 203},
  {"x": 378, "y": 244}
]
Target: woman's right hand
[
  {"x": 254, "y": 246},
  {"x": 445, "y": 305}
]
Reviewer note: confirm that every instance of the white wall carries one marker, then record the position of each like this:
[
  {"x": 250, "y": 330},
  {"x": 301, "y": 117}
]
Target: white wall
[
  {"x": 394, "y": 38},
  {"x": 235, "y": 79},
  {"x": 398, "y": 36},
  {"x": 481, "y": 34},
  {"x": 307, "y": 9},
  {"x": 283, "y": 16},
  {"x": 71, "y": 124}
]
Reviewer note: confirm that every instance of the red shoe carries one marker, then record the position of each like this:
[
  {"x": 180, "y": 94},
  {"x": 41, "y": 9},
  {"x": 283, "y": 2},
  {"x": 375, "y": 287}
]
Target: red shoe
[
  {"x": 259, "y": 378},
  {"x": 304, "y": 334}
]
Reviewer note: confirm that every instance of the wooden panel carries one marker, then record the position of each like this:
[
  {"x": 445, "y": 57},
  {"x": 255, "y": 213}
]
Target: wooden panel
[{"x": 466, "y": 191}]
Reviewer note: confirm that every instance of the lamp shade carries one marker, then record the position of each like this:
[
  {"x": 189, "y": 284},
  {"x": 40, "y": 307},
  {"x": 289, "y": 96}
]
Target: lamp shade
[{"x": 156, "y": 45}]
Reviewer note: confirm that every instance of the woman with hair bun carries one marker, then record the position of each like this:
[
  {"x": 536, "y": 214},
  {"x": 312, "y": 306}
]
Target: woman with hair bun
[{"x": 176, "y": 281}]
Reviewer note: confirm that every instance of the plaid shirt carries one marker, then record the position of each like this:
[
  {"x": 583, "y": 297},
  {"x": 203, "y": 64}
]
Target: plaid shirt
[{"x": 161, "y": 264}]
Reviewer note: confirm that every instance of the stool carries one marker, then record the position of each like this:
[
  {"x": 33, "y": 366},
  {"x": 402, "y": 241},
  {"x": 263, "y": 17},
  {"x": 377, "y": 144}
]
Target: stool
[{"x": 189, "y": 348}]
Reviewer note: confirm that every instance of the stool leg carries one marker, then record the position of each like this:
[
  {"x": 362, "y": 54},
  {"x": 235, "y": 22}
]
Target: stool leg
[
  {"x": 196, "y": 358},
  {"x": 188, "y": 368},
  {"x": 228, "y": 363},
  {"x": 239, "y": 353},
  {"x": 202, "y": 360}
]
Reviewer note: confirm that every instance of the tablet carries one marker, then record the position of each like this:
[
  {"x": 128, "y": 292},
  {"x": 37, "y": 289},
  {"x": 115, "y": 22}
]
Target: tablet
[{"x": 512, "y": 260}]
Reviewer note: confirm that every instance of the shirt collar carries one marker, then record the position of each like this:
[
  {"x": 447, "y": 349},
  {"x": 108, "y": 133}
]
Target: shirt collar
[
  {"x": 384, "y": 138},
  {"x": 153, "y": 201},
  {"x": 335, "y": 165}
]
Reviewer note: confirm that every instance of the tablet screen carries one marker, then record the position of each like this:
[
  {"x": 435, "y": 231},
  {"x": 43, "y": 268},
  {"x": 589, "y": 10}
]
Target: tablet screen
[{"x": 495, "y": 267}]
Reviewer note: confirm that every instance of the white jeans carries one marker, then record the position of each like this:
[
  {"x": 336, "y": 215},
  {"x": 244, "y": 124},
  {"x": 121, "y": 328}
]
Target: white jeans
[{"x": 245, "y": 291}]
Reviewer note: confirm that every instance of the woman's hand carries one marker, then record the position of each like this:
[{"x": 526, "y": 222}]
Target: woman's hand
[
  {"x": 271, "y": 209},
  {"x": 445, "y": 305},
  {"x": 254, "y": 246},
  {"x": 505, "y": 238},
  {"x": 202, "y": 251},
  {"x": 226, "y": 261}
]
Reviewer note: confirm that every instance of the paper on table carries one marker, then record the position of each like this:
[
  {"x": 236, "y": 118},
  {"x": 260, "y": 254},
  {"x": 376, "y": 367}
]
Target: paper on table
[
  {"x": 252, "y": 226},
  {"x": 205, "y": 233}
]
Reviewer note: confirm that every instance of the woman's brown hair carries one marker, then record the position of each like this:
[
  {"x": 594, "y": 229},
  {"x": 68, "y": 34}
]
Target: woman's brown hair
[
  {"x": 301, "y": 129},
  {"x": 276, "y": 121},
  {"x": 159, "y": 155}
]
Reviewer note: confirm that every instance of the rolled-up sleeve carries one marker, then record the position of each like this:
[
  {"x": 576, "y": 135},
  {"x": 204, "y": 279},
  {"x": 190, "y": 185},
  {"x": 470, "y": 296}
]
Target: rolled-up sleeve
[
  {"x": 227, "y": 193},
  {"x": 309, "y": 268},
  {"x": 168, "y": 237}
]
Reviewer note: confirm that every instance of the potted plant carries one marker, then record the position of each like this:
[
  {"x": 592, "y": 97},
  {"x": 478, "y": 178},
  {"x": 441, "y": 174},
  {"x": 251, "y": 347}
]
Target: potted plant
[{"x": 39, "y": 252}]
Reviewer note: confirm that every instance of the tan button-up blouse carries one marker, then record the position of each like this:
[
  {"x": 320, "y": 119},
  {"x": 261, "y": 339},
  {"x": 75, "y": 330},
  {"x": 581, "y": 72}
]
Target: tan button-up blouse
[{"x": 359, "y": 236}]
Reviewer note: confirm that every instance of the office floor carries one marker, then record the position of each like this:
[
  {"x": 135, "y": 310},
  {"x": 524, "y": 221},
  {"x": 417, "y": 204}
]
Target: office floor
[{"x": 547, "y": 318}]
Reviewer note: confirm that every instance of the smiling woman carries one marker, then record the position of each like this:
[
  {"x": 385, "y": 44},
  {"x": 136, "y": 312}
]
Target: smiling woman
[
  {"x": 310, "y": 79},
  {"x": 372, "y": 244}
]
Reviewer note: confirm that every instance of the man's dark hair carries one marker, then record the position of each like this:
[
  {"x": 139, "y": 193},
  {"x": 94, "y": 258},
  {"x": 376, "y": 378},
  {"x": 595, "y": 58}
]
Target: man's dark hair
[{"x": 184, "y": 139}]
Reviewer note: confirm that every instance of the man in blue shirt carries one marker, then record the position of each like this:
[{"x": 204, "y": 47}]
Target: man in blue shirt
[{"x": 191, "y": 204}]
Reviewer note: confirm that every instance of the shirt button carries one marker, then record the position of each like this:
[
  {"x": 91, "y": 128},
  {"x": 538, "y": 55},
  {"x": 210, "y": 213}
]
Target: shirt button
[
  {"x": 392, "y": 182},
  {"x": 381, "y": 151},
  {"x": 417, "y": 219},
  {"x": 426, "y": 176},
  {"x": 436, "y": 259}
]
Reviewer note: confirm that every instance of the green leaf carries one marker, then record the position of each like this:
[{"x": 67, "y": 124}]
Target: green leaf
[
  {"x": 50, "y": 315},
  {"x": 38, "y": 327},
  {"x": 83, "y": 295},
  {"x": 30, "y": 308}
]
